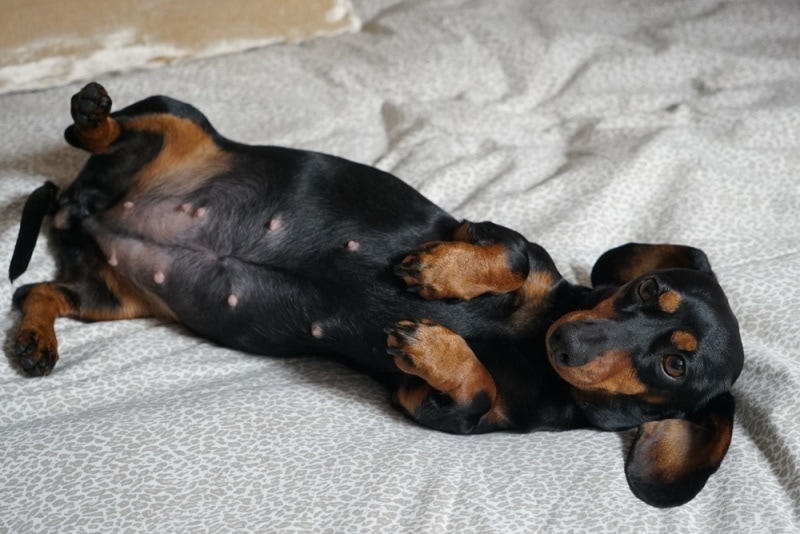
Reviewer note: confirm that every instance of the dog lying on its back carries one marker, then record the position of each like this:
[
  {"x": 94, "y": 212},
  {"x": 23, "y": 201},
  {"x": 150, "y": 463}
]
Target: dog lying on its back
[{"x": 279, "y": 251}]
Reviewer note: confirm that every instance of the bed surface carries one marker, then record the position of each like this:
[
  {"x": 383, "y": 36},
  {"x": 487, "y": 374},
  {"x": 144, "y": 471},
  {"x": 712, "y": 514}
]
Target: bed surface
[{"x": 583, "y": 125}]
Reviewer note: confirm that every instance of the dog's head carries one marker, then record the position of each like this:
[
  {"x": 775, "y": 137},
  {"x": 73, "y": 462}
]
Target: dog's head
[{"x": 658, "y": 349}]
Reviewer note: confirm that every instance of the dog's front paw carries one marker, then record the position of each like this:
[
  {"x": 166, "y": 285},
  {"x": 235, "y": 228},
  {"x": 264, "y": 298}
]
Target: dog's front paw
[
  {"x": 37, "y": 352},
  {"x": 439, "y": 270},
  {"x": 406, "y": 342},
  {"x": 422, "y": 348},
  {"x": 440, "y": 357},
  {"x": 90, "y": 106}
]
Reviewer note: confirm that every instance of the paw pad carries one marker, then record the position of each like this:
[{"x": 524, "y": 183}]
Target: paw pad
[{"x": 90, "y": 106}]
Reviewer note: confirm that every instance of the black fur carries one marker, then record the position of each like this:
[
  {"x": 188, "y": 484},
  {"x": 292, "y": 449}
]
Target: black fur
[{"x": 40, "y": 203}]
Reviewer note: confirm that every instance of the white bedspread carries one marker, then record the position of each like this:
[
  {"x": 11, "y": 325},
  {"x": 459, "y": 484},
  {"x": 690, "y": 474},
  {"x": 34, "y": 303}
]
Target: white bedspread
[{"x": 584, "y": 124}]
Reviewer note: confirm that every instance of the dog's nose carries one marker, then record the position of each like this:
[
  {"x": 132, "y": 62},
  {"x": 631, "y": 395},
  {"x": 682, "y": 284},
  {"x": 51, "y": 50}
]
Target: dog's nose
[
  {"x": 557, "y": 346},
  {"x": 574, "y": 344}
]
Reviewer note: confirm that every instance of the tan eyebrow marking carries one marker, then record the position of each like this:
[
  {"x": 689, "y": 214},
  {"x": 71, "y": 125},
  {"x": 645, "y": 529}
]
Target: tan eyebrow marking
[
  {"x": 669, "y": 302},
  {"x": 684, "y": 340}
]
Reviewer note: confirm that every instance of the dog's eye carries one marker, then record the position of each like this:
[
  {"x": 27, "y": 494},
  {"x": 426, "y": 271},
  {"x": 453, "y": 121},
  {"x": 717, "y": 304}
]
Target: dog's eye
[
  {"x": 647, "y": 289},
  {"x": 674, "y": 366}
]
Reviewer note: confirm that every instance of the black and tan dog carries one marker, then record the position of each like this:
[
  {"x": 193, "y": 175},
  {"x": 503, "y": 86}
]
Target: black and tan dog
[{"x": 279, "y": 251}]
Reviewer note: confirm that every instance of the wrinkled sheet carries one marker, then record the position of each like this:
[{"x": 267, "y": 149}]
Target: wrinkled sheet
[{"x": 582, "y": 124}]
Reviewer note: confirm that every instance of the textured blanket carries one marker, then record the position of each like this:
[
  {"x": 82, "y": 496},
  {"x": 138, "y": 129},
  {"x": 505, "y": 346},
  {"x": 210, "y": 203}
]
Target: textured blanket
[{"x": 584, "y": 124}]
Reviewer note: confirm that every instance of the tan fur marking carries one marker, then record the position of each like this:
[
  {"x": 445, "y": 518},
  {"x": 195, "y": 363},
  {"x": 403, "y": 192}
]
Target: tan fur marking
[
  {"x": 684, "y": 341},
  {"x": 669, "y": 301},
  {"x": 411, "y": 397},
  {"x": 97, "y": 139},
  {"x": 40, "y": 309},
  {"x": 680, "y": 446},
  {"x": 599, "y": 398},
  {"x": 654, "y": 257},
  {"x": 534, "y": 297},
  {"x": 42, "y": 306},
  {"x": 496, "y": 416},
  {"x": 132, "y": 302},
  {"x": 654, "y": 399},
  {"x": 188, "y": 157},
  {"x": 610, "y": 373},
  {"x": 461, "y": 233},
  {"x": 462, "y": 270},
  {"x": 46, "y": 302},
  {"x": 444, "y": 360}
]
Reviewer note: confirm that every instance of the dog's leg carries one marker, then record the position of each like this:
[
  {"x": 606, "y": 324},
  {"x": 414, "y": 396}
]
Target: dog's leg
[
  {"x": 456, "y": 393},
  {"x": 485, "y": 258},
  {"x": 482, "y": 258},
  {"x": 94, "y": 129},
  {"x": 103, "y": 297}
]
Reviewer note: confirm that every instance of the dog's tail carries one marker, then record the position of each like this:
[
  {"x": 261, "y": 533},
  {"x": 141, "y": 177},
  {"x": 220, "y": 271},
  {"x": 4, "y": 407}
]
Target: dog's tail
[{"x": 42, "y": 202}]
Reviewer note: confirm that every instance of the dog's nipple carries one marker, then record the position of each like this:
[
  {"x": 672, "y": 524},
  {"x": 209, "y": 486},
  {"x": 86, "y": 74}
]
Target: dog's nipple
[
  {"x": 158, "y": 278},
  {"x": 274, "y": 224},
  {"x": 61, "y": 219},
  {"x": 233, "y": 300},
  {"x": 352, "y": 246},
  {"x": 316, "y": 330},
  {"x": 128, "y": 205}
]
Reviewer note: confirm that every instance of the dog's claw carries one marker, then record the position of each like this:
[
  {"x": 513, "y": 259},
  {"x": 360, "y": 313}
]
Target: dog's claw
[
  {"x": 418, "y": 271},
  {"x": 412, "y": 342},
  {"x": 399, "y": 334}
]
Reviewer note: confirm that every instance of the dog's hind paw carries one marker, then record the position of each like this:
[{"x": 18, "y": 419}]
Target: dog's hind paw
[
  {"x": 36, "y": 353},
  {"x": 90, "y": 106}
]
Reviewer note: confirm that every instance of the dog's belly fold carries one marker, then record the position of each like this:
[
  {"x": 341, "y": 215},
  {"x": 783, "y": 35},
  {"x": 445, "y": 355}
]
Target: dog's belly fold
[{"x": 275, "y": 266}]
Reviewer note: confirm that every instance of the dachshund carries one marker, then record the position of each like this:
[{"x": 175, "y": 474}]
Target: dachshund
[{"x": 472, "y": 328}]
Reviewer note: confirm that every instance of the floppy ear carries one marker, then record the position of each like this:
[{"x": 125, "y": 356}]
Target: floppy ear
[
  {"x": 670, "y": 460},
  {"x": 623, "y": 264}
]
